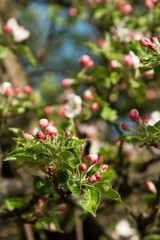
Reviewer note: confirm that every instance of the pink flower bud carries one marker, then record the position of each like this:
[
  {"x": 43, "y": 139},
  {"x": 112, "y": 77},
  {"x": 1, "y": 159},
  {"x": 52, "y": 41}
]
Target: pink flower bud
[
  {"x": 149, "y": 74},
  {"x": 152, "y": 46},
  {"x": 104, "y": 168},
  {"x": 43, "y": 123},
  {"x": 125, "y": 9},
  {"x": 51, "y": 123},
  {"x": 153, "y": 39},
  {"x": 133, "y": 115},
  {"x": 72, "y": 12},
  {"x": 7, "y": 28},
  {"x": 40, "y": 202},
  {"x": 9, "y": 92},
  {"x": 87, "y": 94},
  {"x": 38, "y": 212},
  {"x": 151, "y": 187},
  {"x": 148, "y": 4},
  {"x": 125, "y": 126},
  {"x": 144, "y": 41},
  {"x": 27, "y": 136},
  {"x": 67, "y": 133},
  {"x": 61, "y": 113},
  {"x": 27, "y": 89},
  {"x": 155, "y": 2},
  {"x": 100, "y": 42},
  {"x": 67, "y": 82},
  {"x": 92, "y": 158},
  {"x": 17, "y": 90},
  {"x": 92, "y": 179},
  {"x": 95, "y": 106},
  {"x": 48, "y": 110},
  {"x": 97, "y": 175},
  {"x": 86, "y": 61},
  {"x": 40, "y": 135},
  {"x": 51, "y": 131},
  {"x": 83, "y": 167},
  {"x": 89, "y": 64},
  {"x": 113, "y": 64},
  {"x": 52, "y": 227},
  {"x": 145, "y": 118},
  {"x": 100, "y": 159},
  {"x": 63, "y": 207},
  {"x": 128, "y": 61}
]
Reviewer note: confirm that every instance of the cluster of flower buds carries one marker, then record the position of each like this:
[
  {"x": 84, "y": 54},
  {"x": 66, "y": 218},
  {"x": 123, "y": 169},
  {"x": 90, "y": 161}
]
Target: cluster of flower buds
[
  {"x": 134, "y": 117},
  {"x": 150, "y": 3},
  {"x": 152, "y": 43},
  {"x": 48, "y": 129},
  {"x": 88, "y": 96},
  {"x": 7, "y": 89},
  {"x": 19, "y": 32},
  {"x": 92, "y": 159},
  {"x": 124, "y": 8},
  {"x": 86, "y": 61},
  {"x": 38, "y": 211}
]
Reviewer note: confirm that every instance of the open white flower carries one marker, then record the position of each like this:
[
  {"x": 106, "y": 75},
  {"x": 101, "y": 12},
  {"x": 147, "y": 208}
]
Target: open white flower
[
  {"x": 4, "y": 86},
  {"x": 74, "y": 105},
  {"x": 19, "y": 32},
  {"x": 154, "y": 117},
  {"x": 124, "y": 229}
]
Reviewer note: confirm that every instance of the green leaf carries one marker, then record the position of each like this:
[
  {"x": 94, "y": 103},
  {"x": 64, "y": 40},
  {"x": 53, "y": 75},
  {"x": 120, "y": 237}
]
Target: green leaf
[
  {"x": 157, "y": 70},
  {"x": 108, "y": 175},
  {"x": 91, "y": 200},
  {"x": 3, "y": 51},
  {"x": 134, "y": 83},
  {"x": 75, "y": 188},
  {"x": 112, "y": 194},
  {"x": 12, "y": 156},
  {"x": 70, "y": 159},
  {"x": 152, "y": 129},
  {"x": 99, "y": 13},
  {"x": 157, "y": 125},
  {"x": 152, "y": 237},
  {"x": 26, "y": 52},
  {"x": 103, "y": 187},
  {"x": 132, "y": 138},
  {"x": 108, "y": 114},
  {"x": 13, "y": 203},
  {"x": 18, "y": 132},
  {"x": 39, "y": 184}
]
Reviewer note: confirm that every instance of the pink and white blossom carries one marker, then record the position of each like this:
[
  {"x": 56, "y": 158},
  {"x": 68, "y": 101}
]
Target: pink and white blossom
[{"x": 73, "y": 106}]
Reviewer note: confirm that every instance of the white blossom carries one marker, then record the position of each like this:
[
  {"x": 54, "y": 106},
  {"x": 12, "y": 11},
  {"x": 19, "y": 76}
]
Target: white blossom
[
  {"x": 124, "y": 229},
  {"x": 19, "y": 32},
  {"x": 136, "y": 60},
  {"x": 4, "y": 86},
  {"x": 154, "y": 117},
  {"x": 73, "y": 106},
  {"x": 125, "y": 34}
]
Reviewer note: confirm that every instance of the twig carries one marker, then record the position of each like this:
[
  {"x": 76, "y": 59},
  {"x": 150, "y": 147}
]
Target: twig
[
  {"x": 52, "y": 69},
  {"x": 79, "y": 225},
  {"x": 28, "y": 232}
]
